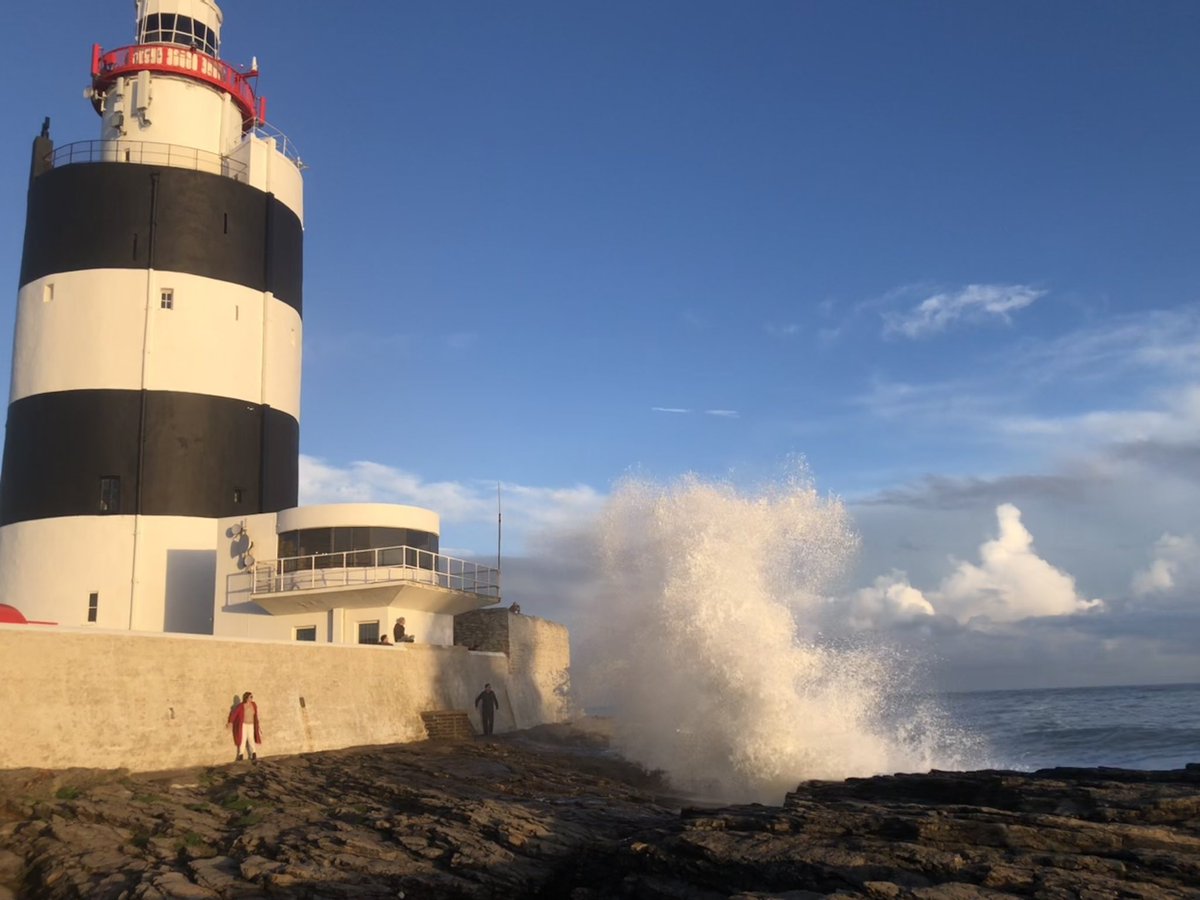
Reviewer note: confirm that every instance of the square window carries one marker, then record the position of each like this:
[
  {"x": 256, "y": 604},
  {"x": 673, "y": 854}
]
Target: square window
[
  {"x": 368, "y": 632},
  {"x": 167, "y": 298},
  {"x": 110, "y": 494},
  {"x": 93, "y": 606},
  {"x": 306, "y": 633}
]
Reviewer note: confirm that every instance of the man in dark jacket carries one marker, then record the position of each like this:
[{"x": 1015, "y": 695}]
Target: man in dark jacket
[{"x": 487, "y": 697}]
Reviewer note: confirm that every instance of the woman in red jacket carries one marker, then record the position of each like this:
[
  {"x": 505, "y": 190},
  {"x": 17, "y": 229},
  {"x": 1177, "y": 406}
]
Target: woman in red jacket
[{"x": 244, "y": 719}]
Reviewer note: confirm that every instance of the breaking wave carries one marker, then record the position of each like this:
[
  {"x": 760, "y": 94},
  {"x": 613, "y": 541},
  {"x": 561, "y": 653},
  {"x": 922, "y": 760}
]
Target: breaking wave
[{"x": 703, "y": 637}]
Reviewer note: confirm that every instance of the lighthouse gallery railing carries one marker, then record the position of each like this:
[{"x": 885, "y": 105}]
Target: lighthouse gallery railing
[
  {"x": 148, "y": 153},
  {"x": 375, "y": 566}
]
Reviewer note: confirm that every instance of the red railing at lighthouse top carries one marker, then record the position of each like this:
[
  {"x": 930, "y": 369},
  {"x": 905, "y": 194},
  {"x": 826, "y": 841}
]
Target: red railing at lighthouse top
[{"x": 173, "y": 59}]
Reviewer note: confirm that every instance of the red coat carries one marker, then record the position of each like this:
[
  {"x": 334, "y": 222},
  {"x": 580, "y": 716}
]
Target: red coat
[{"x": 237, "y": 719}]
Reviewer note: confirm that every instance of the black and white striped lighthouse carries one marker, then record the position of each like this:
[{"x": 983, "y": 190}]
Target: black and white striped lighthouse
[{"x": 156, "y": 359}]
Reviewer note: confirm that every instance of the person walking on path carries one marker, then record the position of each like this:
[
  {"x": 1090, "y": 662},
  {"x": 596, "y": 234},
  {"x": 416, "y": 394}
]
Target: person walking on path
[
  {"x": 244, "y": 720},
  {"x": 487, "y": 697}
]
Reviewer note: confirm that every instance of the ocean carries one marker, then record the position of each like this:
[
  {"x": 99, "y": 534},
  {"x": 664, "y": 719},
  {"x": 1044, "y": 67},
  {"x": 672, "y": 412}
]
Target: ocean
[{"x": 1137, "y": 727}]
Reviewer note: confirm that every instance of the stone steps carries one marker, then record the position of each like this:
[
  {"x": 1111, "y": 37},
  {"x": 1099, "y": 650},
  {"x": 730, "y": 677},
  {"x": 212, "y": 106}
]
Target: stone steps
[{"x": 448, "y": 725}]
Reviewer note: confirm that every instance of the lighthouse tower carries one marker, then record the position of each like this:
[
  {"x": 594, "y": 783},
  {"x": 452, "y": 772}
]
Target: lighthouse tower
[{"x": 156, "y": 358}]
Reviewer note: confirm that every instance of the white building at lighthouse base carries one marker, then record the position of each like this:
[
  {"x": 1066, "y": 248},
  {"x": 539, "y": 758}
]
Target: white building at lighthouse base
[{"x": 343, "y": 574}]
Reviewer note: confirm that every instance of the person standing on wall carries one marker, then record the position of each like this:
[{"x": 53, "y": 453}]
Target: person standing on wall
[
  {"x": 244, "y": 719},
  {"x": 487, "y": 697}
]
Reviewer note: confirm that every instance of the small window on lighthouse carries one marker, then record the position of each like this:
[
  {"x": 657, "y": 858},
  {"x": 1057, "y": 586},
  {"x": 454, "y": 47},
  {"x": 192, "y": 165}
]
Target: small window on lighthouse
[
  {"x": 93, "y": 606},
  {"x": 48, "y": 292},
  {"x": 167, "y": 298},
  {"x": 110, "y": 495}
]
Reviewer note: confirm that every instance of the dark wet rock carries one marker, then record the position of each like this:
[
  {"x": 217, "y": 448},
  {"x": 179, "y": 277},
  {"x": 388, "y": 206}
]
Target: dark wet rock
[{"x": 549, "y": 813}]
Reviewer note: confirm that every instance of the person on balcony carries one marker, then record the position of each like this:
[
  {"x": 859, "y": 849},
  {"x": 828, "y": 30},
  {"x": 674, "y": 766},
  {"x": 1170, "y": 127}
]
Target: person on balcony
[{"x": 399, "y": 634}]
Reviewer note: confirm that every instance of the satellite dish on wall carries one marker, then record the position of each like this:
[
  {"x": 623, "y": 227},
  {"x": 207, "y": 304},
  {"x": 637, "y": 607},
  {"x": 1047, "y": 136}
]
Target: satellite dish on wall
[
  {"x": 236, "y": 529},
  {"x": 247, "y": 560}
]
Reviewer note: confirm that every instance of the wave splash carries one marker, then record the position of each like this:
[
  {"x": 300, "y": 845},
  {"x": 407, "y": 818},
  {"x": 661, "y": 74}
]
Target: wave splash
[{"x": 705, "y": 639}]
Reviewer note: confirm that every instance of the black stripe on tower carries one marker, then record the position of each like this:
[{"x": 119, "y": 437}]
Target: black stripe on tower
[
  {"x": 114, "y": 215},
  {"x": 198, "y": 455}
]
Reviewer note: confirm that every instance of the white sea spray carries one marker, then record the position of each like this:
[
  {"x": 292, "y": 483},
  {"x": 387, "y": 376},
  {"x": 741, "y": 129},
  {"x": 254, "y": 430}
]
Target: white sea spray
[{"x": 702, "y": 634}]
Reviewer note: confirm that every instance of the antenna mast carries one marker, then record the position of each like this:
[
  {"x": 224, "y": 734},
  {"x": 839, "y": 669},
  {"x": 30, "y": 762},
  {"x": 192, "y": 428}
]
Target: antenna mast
[{"x": 499, "y": 525}]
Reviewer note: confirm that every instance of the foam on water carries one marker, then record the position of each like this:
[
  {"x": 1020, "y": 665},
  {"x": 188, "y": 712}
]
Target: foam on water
[{"x": 705, "y": 641}]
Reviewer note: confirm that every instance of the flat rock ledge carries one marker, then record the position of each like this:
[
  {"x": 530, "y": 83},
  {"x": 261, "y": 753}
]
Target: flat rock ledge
[{"x": 550, "y": 813}]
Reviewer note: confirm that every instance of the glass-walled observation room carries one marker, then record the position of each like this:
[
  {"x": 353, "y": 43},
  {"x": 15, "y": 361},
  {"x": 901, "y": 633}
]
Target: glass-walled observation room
[
  {"x": 396, "y": 547},
  {"x": 172, "y": 28}
]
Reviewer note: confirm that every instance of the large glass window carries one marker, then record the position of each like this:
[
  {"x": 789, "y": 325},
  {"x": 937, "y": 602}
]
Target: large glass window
[
  {"x": 368, "y": 632},
  {"x": 169, "y": 28},
  {"x": 404, "y": 547}
]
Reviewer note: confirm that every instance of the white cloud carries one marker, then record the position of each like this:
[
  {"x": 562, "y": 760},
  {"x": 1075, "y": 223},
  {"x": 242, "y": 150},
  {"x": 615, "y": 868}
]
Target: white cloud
[
  {"x": 1011, "y": 582},
  {"x": 1176, "y": 418},
  {"x": 527, "y": 509},
  {"x": 1175, "y": 567},
  {"x": 973, "y": 303},
  {"x": 889, "y": 601},
  {"x": 942, "y": 400},
  {"x": 363, "y": 481},
  {"x": 680, "y": 411},
  {"x": 1152, "y": 340}
]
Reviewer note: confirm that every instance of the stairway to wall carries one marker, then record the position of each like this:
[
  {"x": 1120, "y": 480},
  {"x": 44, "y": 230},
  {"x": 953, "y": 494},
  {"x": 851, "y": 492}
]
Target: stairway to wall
[{"x": 448, "y": 725}]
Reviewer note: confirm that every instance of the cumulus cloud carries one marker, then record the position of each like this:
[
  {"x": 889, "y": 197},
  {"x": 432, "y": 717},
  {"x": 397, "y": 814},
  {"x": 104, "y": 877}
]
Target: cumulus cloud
[
  {"x": 1175, "y": 567},
  {"x": 973, "y": 303},
  {"x": 1011, "y": 581},
  {"x": 890, "y": 600}
]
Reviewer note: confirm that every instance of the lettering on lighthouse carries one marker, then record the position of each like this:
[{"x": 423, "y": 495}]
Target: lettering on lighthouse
[{"x": 180, "y": 59}]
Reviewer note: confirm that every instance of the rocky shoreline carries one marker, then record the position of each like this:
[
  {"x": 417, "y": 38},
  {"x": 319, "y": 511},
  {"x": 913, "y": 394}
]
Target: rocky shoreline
[{"x": 549, "y": 813}]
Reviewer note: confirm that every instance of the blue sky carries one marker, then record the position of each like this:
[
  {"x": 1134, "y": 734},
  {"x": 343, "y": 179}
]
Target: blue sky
[{"x": 944, "y": 252}]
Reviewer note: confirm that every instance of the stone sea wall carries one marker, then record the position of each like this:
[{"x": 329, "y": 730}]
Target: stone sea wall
[{"x": 147, "y": 702}]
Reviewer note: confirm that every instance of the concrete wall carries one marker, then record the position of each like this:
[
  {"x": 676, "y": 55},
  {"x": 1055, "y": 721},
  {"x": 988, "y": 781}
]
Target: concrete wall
[
  {"x": 538, "y": 656},
  {"x": 78, "y": 697}
]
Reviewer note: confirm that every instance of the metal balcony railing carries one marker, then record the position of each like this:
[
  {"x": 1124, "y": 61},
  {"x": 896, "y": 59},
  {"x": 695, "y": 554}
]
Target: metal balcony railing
[
  {"x": 375, "y": 566},
  {"x": 147, "y": 153},
  {"x": 283, "y": 143}
]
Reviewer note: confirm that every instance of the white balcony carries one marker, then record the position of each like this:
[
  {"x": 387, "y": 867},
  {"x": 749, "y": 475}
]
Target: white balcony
[{"x": 401, "y": 577}]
